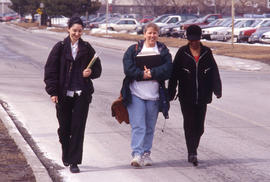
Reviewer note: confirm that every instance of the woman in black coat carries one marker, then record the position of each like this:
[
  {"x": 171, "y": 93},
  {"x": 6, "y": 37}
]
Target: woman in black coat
[
  {"x": 197, "y": 75},
  {"x": 69, "y": 83}
]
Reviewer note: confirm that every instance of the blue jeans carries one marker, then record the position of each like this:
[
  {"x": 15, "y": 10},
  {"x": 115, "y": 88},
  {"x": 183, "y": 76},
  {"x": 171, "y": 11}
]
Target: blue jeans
[{"x": 143, "y": 118}]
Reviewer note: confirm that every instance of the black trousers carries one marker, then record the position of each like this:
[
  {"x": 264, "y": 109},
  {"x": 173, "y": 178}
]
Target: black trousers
[
  {"x": 194, "y": 116},
  {"x": 72, "y": 114}
]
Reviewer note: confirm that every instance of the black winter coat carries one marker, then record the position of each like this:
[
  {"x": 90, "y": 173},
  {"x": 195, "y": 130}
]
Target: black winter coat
[
  {"x": 196, "y": 81},
  {"x": 59, "y": 64}
]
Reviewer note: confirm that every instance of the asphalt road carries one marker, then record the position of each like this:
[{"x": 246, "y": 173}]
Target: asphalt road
[{"x": 234, "y": 148}]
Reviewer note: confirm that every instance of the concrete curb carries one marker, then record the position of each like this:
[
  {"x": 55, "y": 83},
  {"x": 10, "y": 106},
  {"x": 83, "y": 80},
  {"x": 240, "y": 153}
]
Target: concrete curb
[{"x": 40, "y": 172}]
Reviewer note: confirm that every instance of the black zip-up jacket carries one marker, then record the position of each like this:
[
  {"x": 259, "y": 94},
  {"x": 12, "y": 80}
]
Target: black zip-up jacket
[
  {"x": 59, "y": 65},
  {"x": 196, "y": 80}
]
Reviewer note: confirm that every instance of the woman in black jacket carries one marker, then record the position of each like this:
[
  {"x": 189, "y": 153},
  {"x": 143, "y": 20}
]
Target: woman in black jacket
[
  {"x": 195, "y": 70},
  {"x": 68, "y": 82}
]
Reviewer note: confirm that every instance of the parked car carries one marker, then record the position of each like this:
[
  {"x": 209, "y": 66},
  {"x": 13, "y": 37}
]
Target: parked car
[
  {"x": 9, "y": 17},
  {"x": 224, "y": 34},
  {"x": 202, "y": 21},
  {"x": 246, "y": 33},
  {"x": 96, "y": 22},
  {"x": 140, "y": 27},
  {"x": 256, "y": 36},
  {"x": 147, "y": 18},
  {"x": 168, "y": 20},
  {"x": 173, "y": 19},
  {"x": 177, "y": 32},
  {"x": 103, "y": 24},
  {"x": 60, "y": 20},
  {"x": 128, "y": 24},
  {"x": 254, "y": 23},
  {"x": 166, "y": 30},
  {"x": 208, "y": 30},
  {"x": 265, "y": 38}
]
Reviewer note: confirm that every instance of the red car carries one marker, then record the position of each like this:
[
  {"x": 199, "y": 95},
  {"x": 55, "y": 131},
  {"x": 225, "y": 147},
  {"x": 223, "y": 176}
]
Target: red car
[
  {"x": 147, "y": 18},
  {"x": 245, "y": 34},
  {"x": 202, "y": 21}
]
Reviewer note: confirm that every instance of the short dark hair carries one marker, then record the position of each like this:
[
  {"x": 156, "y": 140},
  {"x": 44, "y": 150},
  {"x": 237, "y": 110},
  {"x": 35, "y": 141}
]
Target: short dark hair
[
  {"x": 194, "y": 32},
  {"x": 75, "y": 20}
]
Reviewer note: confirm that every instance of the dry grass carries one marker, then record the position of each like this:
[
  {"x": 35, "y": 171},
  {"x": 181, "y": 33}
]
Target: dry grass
[{"x": 13, "y": 165}]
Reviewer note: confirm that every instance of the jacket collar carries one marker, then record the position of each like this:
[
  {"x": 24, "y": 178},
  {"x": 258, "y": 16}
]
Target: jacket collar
[
  {"x": 202, "y": 53},
  {"x": 160, "y": 46},
  {"x": 67, "y": 46}
]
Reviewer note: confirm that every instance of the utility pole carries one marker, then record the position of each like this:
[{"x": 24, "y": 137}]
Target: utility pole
[
  {"x": 107, "y": 10},
  {"x": 3, "y": 7},
  {"x": 232, "y": 22},
  {"x": 215, "y": 6}
]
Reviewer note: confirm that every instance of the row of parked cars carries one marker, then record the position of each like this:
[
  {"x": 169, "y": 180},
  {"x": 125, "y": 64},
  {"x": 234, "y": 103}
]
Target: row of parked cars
[
  {"x": 9, "y": 17},
  {"x": 251, "y": 30}
]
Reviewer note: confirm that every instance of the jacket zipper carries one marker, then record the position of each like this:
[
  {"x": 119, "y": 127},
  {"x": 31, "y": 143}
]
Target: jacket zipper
[
  {"x": 186, "y": 70},
  {"x": 69, "y": 73},
  {"x": 197, "y": 82},
  {"x": 206, "y": 70}
]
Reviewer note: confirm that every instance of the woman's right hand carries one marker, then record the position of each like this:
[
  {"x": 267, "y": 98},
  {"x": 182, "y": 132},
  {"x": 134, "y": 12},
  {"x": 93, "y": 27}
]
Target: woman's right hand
[
  {"x": 54, "y": 99},
  {"x": 147, "y": 73}
]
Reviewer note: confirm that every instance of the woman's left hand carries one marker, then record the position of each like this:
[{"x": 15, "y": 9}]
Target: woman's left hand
[{"x": 87, "y": 72}]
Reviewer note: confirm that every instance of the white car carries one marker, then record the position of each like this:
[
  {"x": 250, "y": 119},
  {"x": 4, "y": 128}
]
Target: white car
[
  {"x": 265, "y": 38},
  {"x": 168, "y": 20},
  {"x": 207, "y": 32},
  {"x": 128, "y": 24},
  {"x": 61, "y": 21}
]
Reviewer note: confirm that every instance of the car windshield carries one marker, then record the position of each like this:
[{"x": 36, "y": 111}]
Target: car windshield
[
  {"x": 164, "y": 20},
  {"x": 159, "y": 19},
  {"x": 240, "y": 23},
  {"x": 215, "y": 22},
  {"x": 199, "y": 20},
  {"x": 191, "y": 21},
  {"x": 226, "y": 22},
  {"x": 256, "y": 23},
  {"x": 266, "y": 23}
]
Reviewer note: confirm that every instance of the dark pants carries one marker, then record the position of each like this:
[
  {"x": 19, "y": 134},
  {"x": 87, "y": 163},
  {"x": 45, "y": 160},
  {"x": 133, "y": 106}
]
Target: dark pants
[
  {"x": 72, "y": 114},
  {"x": 194, "y": 116}
]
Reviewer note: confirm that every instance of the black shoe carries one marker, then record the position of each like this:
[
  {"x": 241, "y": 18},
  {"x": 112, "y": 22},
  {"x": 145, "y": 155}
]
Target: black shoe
[
  {"x": 193, "y": 159},
  {"x": 66, "y": 164},
  {"x": 74, "y": 168}
]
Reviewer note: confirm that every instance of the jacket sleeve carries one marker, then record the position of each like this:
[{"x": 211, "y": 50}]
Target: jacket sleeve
[
  {"x": 163, "y": 72},
  {"x": 174, "y": 77},
  {"x": 51, "y": 72},
  {"x": 130, "y": 68},
  {"x": 216, "y": 81}
]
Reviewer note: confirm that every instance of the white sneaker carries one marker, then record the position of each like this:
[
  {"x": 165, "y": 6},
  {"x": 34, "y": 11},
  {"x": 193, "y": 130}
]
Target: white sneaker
[
  {"x": 147, "y": 159},
  {"x": 136, "y": 161}
]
